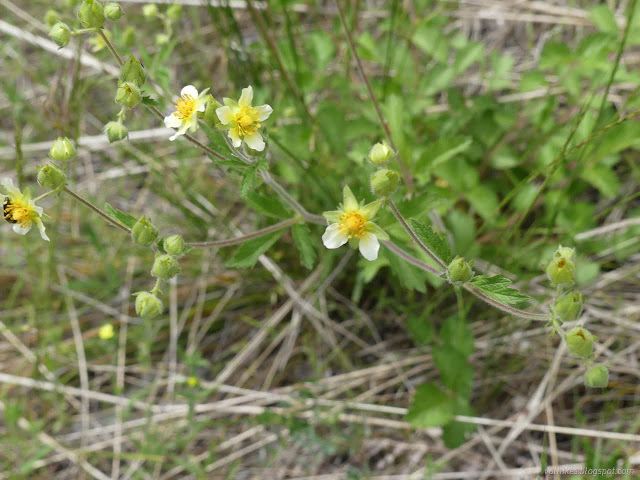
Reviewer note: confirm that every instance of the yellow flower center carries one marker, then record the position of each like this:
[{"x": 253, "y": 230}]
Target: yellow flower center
[
  {"x": 352, "y": 224},
  {"x": 185, "y": 107},
  {"x": 16, "y": 212},
  {"x": 246, "y": 121}
]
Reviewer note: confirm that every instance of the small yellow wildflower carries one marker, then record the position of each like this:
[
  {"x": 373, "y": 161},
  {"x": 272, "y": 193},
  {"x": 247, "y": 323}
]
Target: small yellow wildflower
[
  {"x": 188, "y": 106},
  {"x": 243, "y": 120},
  {"x": 19, "y": 209},
  {"x": 352, "y": 223},
  {"x": 192, "y": 381},
  {"x": 106, "y": 331}
]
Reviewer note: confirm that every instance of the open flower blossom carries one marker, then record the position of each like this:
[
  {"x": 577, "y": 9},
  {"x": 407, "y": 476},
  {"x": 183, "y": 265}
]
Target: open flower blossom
[
  {"x": 243, "y": 120},
  {"x": 19, "y": 209},
  {"x": 187, "y": 107},
  {"x": 352, "y": 223}
]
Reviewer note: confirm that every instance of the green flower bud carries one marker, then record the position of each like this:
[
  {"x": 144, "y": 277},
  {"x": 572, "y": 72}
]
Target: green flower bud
[
  {"x": 580, "y": 342},
  {"x": 150, "y": 10},
  {"x": 113, "y": 11},
  {"x": 384, "y": 182},
  {"x": 115, "y": 131},
  {"x": 132, "y": 71},
  {"x": 569, "y": 306},
  {"x": 91, "y": 14},
  {"x": 128, "y": 94},
  {"x": 61, "y": 34},
  {"x": 162, "y": 39},
  {"x": 174, "y": 12},
  {"x": 460, "y": 271},
  {"x": 51, "y": 17},
  {"x": 210, "y": 116},
  {"x": 165, "y": 267},
  {"x": 173, "y": 245},
  {"x": 381, "y": 153},
  {"x": 62, "y": 150},
  {"x": 597, "y": 377},
  {"x": 51, "y": 176},
  {"x": 561, "y": 270},
  {"x": 129, "y": 37},
  {"x": 144, "y": 233},
  {"x": 148, "y": 305}
]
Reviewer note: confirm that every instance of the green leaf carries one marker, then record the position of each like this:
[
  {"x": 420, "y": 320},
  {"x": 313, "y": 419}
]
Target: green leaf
[
  {"x": 455, "y": 370},
  {"x": 269, "y": 206},
  {"x": 437, "y": 242},
  {"x": 150, "y": 101},
  {"x": 484, "y": 200},
  {"x": 247, "y": 255},
  {"x": 124, "y": 218},
  {"x": 249, "y": 180},
  {"x": 455, "y": 433},
  {"x": 420, "y": 329},
  {"x": 431, "y": 407},
  {"x": 456, "y": 333},
  {"x": 442, "y": 151},
  {"x": 468, "y": 55},
  {"x": 431, "y": 40},
  {"x": 603, "y": 178},
  {"x": 217, "y": 143},
  {"x": 497, "y": 287},
  {"x": 602, "y": 17},
  {"x": 410, "y": 277},
  {"x": 302, "y": 236}
]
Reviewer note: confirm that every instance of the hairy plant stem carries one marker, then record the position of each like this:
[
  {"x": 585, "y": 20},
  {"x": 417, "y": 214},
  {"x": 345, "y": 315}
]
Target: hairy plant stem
[
  {"x": 97, "y": 210},
  {"x": 540, "y": 317},
  {"x": 310, "y": 217},
  {"x": 258, "y": 233},
  {"x": 385, "y": 126},
  {"x": 413, "y": 234}
]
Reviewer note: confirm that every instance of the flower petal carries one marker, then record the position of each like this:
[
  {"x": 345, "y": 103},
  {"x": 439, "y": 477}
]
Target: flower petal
[
  {"x": 21, "y": 231},
  {"x": 369, "y": 246},
  {"x": 189, "y": 90},
  {"x": 264, "y": 111},
  {"x": 255, "y": 141},
  {"x": 376, "y": 230},
  {"x": 225, "y": 115},
  {"x": 13, "y": 192},
  {"x": 172, "y": 121},
  {"x": 370, "y": 210},
  {"x": 333, "y": 237},
  {"x": 235, "y": 139},
  {"x": 349, "y": 201},
  {"x": 247, "y": 96},
  {"x": 40, "y": 226},
  {"x": 332, "y": 216}
]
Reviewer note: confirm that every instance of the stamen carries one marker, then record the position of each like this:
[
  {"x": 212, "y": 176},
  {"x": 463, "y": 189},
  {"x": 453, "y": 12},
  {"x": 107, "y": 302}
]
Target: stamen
[{"x": 185, "y": 107}]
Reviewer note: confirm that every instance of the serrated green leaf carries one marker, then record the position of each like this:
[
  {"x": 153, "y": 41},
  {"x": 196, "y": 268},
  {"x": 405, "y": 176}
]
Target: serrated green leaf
[
  {"x": 603, "y": 18},
  {"x": 456, "y": 333},
  {"x": 217, "y": 143},
  {"x": 269, "y": 206},
  {"x": 247, "y": 255},
  {"x": 249, "y": 180},
  {"x": 455, "y": 433},
  {"x": 437, "y": 242},
  {"x": 431, "y": 40},
  {"x": 497, "y": 287},
  {"x": 442, "y": 151},
  {"x": 302, "y": 237},
  {"x": 468, "y": 55},
  {"x": 150, "y": 101},
  {"x": 124, "y": 218},
  {"x": 410, "y": 277},
  {"x": 431, "y": 407},
  {"x": 455, "y": 370},
  {"x": 420, "y": 329}
]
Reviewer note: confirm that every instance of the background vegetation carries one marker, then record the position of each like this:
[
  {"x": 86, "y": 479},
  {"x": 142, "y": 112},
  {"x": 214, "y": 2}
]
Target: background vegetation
[{"x": 516, "y": 124}]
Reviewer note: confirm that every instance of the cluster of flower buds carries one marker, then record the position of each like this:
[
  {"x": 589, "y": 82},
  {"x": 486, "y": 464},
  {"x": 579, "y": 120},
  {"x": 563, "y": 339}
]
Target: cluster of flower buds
[
  {"x": 567, "y": 307},
  {"x": 92, "y": 15},
  {"x": 165, "y": 265},
  {"x": 383, "y": 182}
]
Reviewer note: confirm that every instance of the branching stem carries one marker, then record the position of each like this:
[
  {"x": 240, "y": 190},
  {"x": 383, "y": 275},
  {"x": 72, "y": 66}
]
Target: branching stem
[{"x": 258, "y": 233}]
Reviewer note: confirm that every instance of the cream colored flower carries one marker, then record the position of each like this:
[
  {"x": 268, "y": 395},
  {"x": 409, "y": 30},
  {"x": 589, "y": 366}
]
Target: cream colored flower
[
  {"x": 19, "y": 209},
  {"x": 188, "y": 106},
  {"x": 243, "y": 120},
  {"x": 352, "y": 223}
]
